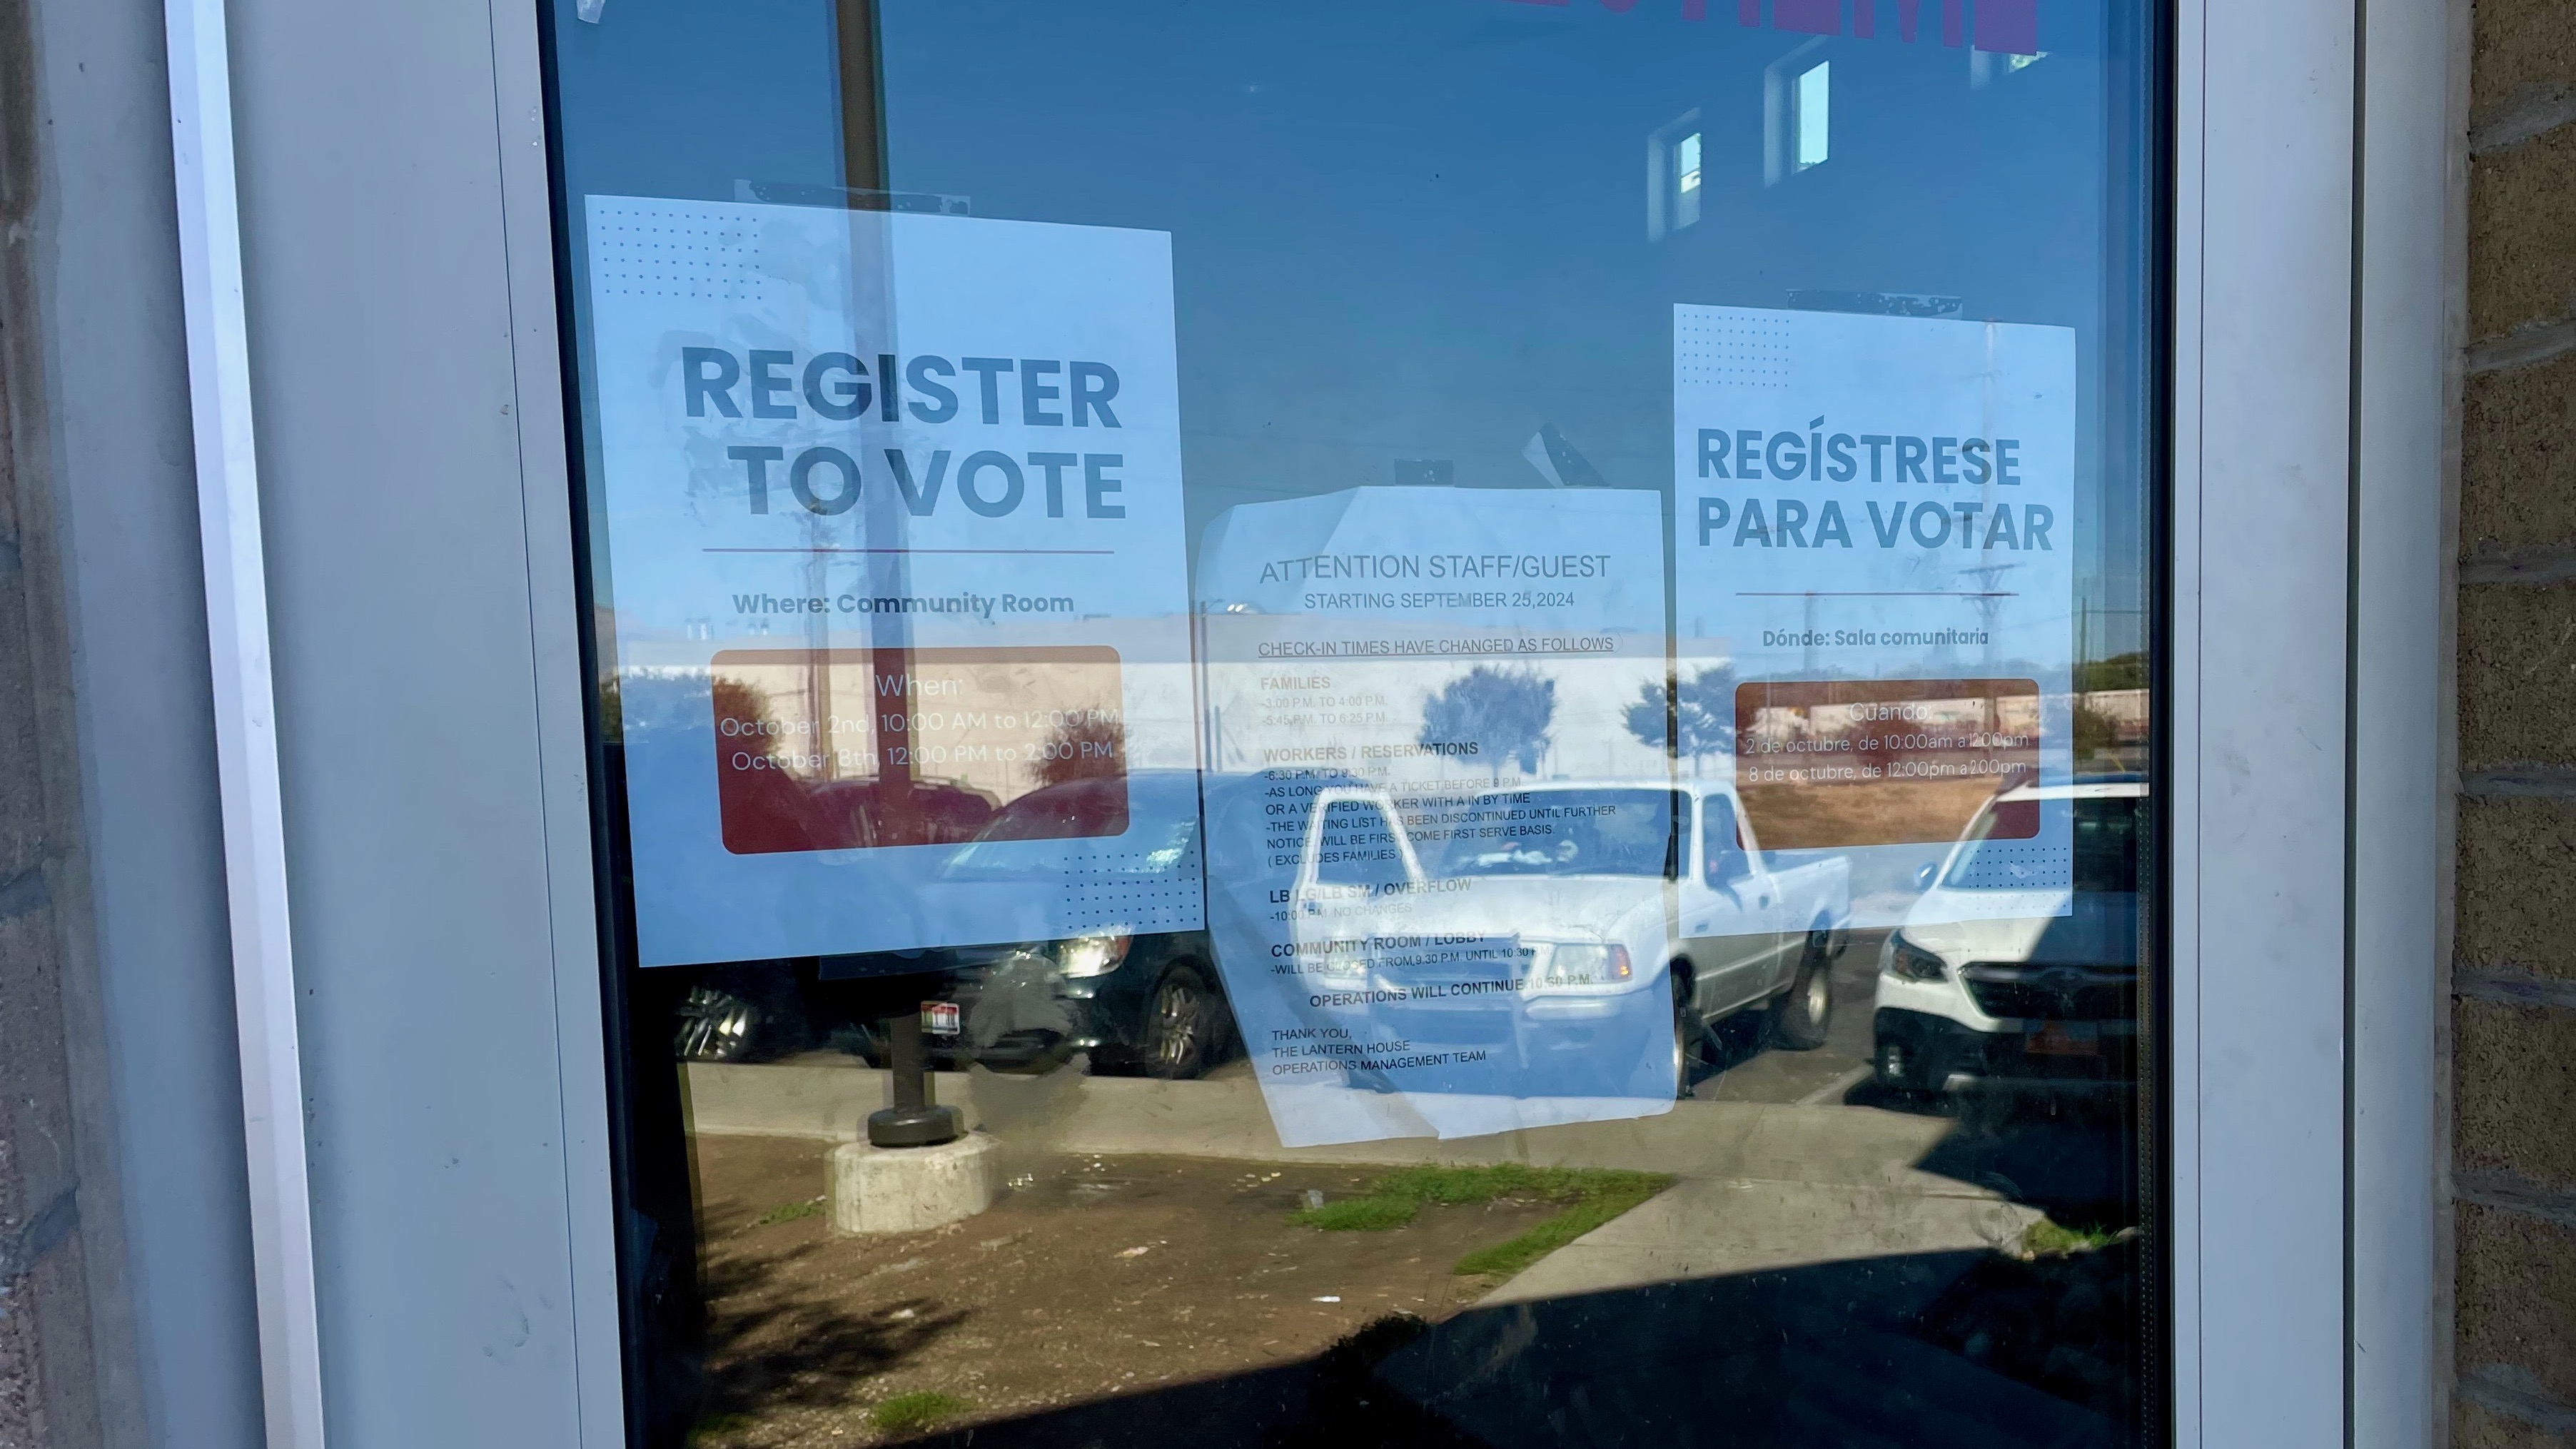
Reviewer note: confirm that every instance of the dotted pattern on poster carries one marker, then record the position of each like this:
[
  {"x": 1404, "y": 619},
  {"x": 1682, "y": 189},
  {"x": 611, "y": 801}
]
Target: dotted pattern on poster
[
  {"x": 640, "y": 251},
  {"x": 1736, "y": 352},
  {"x": 1137, "y": 892},
  {"x": 2008, "y": 865}
]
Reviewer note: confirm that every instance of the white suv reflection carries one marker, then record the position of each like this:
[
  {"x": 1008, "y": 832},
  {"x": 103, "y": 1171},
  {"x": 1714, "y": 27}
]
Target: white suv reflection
[{"x": 2045, "y": 999}]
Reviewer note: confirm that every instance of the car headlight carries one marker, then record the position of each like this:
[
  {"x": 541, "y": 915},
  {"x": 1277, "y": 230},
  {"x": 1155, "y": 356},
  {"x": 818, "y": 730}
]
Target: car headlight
[
  {"x": 1090, "y": 955},
  {"x": 1908, "y": 962},
  {"x": 1582, "y": 963}
]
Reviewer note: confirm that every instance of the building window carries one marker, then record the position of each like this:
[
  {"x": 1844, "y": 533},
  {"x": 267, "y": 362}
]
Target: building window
[
  {"x": 1796, "y": 98},
  {"x": 1673, "y": 176},
  {"x": 1811, "y": 120}
]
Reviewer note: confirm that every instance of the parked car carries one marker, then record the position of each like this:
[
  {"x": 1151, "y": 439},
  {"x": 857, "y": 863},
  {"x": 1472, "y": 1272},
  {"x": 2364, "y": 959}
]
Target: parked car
[
  {"x": 747, "y": 1011},
  {"x": 2046, "y": 998},
  {"x": 1148, "y": 1002},
  {"x": 1613, "y": 885}
]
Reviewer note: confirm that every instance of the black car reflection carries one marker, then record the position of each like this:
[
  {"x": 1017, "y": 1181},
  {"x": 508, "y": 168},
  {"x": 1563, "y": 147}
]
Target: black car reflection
[
  {"x": 1150, "y": 1002},
  {"x": 1146, "y": 1003}
]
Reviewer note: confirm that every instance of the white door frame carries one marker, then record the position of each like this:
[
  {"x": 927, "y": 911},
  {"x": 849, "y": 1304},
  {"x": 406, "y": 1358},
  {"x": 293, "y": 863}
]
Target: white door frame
[{"x": 2313, "y": 322}]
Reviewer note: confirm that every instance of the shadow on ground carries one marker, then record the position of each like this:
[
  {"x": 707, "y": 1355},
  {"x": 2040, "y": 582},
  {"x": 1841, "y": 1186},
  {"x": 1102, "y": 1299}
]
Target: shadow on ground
[
  {"x": 799, "y": 1349},
  {"x": 1837, "y": 1354},
  {"x": 2074, "y": 1157}
]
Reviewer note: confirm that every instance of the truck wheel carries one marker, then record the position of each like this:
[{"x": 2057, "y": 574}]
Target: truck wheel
[
  {"x": 1179, "y": 1038},
  {"x": 1801, "y": 1017},
  {"x": 1685, "y": 1043}
]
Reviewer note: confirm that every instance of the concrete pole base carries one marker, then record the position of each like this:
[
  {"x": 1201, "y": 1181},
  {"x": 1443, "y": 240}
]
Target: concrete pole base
[{"x": 910, "y": 1189}]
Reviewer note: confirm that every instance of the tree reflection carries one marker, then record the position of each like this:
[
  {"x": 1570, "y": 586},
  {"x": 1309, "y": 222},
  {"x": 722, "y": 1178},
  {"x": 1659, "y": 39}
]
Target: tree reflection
[
  {"x": 1505, "y": 713},
  {"x": 1694, "y": 721}
]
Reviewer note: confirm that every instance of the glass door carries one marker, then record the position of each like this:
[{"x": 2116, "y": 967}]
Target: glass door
[{"x": 1409, "y": 723}]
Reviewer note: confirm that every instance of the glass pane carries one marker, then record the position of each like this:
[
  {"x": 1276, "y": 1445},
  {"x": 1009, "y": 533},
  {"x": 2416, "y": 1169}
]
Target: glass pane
[
  {"x": 1815, "y": 96},
  {"x": 1287, "y": 753}
]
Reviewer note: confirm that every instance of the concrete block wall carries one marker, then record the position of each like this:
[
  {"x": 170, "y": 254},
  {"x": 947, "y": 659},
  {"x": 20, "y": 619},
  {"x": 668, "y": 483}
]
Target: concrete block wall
[
  {"x": 57, "y": 1240},
  {"x": 2513, "y": 1008}
]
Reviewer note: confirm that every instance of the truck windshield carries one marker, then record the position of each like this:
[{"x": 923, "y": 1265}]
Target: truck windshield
[{"x": 1564, "y": 832}]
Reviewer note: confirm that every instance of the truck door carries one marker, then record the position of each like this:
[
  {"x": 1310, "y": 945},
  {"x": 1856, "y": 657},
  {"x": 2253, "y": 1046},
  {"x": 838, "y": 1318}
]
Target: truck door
[
  {"x": 1355, "y": 842},
  {"x": 1730, "y": 911}
]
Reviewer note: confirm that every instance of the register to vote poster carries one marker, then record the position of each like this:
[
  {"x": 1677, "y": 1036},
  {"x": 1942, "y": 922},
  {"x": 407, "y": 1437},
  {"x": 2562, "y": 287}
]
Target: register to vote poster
[
  {"x": 894, "y": 554},
  {"x": 1876, "y": 561}
]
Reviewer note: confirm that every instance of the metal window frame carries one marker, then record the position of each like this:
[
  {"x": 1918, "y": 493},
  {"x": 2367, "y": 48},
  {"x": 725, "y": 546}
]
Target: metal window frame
[
  {"x": 2410, "y": 324},
  {"x": 245, "y": 716},
  {"x": 519, "y": 1296},
  {"x": 2316, "y": 199}
]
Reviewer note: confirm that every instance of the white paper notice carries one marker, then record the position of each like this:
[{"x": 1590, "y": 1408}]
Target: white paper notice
[
  {"x": 894, "y": 540},
  {"x": 1877, "y": 535},
  {"x": 1403, "y": 684}
]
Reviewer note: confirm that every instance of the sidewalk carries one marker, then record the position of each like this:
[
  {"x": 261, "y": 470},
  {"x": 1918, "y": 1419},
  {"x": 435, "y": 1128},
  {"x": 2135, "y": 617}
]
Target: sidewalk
[
  {"x": 1763, "y": 1185},
  {"x": 1703, "y": 1228},
  {"x": 1859, "y": 1146}
]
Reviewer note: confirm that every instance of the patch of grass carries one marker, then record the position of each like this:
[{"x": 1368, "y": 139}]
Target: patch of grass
[
  {"x": 789, "y": 1212},
  {"x": 715, "y": 1426},
  {"x": 1358, "y": 1214},
  {"x": 2049, "y": 1238},
  {"x": 906, "y": 1413},
  {"x": 1593, "y": 1196},
  {"x": 1452, "y": 1186},
  {"x": 1505, "y": 1259}
]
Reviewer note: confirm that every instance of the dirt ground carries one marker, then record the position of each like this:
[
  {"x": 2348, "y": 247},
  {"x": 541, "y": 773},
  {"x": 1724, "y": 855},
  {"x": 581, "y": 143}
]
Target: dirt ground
[
  {"x": 1091, "y": 1277},
  {"x": 1796, "y": 817}
]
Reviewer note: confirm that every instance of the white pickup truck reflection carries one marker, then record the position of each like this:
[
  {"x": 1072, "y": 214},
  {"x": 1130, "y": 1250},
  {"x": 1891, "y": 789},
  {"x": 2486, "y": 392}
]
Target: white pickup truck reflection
[{"x": 1546, "y": 913}]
